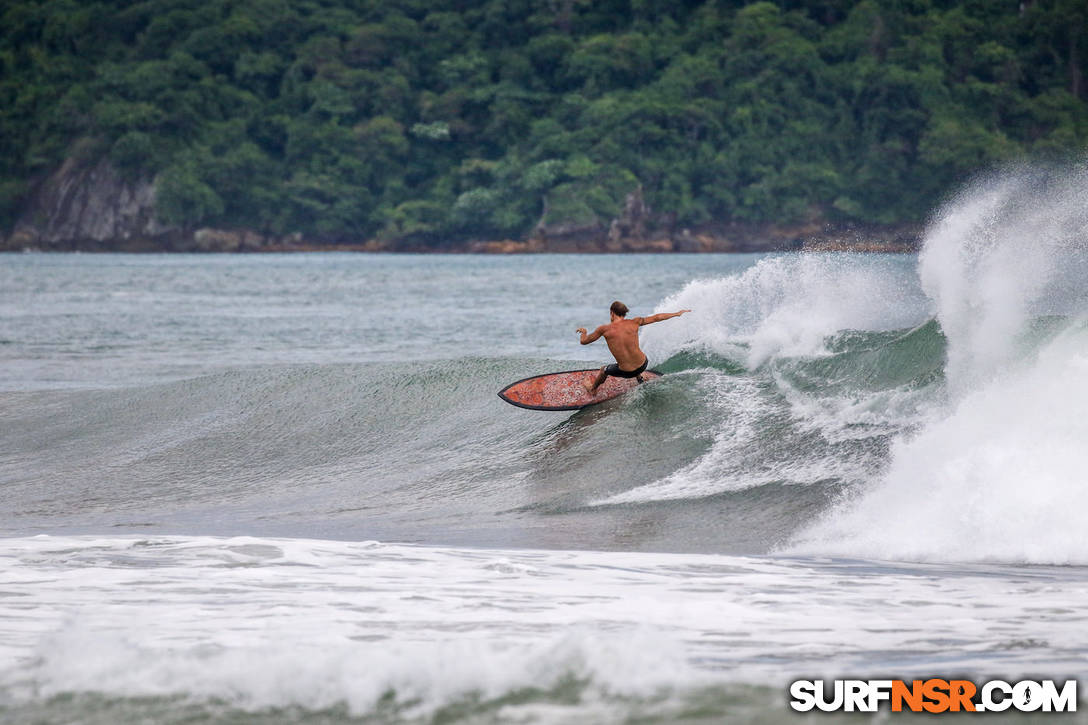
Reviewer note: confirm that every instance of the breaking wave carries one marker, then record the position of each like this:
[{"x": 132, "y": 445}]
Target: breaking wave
[{"x": 997, "y": 473}]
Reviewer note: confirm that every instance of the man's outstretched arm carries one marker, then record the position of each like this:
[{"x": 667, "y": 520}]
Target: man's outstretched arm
[
  {"x": 661, "y": 316},
  {"x": 588, "y": 338}
]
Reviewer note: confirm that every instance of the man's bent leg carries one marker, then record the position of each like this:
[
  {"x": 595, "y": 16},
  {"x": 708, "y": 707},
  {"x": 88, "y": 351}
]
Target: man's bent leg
[{"x": 591, "y": 388}]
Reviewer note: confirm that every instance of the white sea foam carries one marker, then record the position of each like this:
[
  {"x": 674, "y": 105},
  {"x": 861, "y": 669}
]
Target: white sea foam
[
  {"x": 273, "y": 623},
  {"x": 1010, "y": 249},
  {"x": 787, "y": 306},
  {"x": 736, "y": 459},
  {"x": 1001, "y": 478},
  {"x": 1000, "y": 474},
  {"x": 304, "y": 669}
]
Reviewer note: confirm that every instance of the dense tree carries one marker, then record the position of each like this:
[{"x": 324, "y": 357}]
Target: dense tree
[{"x": 433, "y": 120}]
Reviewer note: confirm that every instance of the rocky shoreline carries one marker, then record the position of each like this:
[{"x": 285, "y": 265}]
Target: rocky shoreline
[
  {"x": 91, "y": 207},
  {"x": 750, "y": 238}
]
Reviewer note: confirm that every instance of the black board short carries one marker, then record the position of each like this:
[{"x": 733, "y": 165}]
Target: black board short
[{"x": 614, "y": 370}]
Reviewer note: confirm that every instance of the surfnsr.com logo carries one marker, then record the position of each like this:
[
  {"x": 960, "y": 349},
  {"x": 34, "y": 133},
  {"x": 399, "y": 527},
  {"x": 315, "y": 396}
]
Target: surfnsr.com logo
[{"x": 933, "y": 695}]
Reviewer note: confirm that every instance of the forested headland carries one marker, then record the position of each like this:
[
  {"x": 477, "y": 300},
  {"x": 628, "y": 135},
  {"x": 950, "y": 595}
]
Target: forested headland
[{"x": 431, "y": 122}]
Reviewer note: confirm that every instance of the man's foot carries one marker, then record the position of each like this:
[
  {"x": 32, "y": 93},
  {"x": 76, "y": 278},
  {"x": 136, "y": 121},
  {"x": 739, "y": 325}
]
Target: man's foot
[{"x": 591, "y": 382}]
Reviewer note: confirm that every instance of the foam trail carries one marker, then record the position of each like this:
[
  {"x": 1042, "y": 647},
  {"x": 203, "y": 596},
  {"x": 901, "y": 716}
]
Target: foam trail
[
  {"x": 785, "y": 306},
  {"x": 1000, "y": 474},
  {"x": 737, "y": 459}
]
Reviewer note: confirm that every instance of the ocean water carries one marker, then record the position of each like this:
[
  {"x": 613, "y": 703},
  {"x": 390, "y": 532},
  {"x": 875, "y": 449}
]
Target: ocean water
[{"x": 281, "y": 488}]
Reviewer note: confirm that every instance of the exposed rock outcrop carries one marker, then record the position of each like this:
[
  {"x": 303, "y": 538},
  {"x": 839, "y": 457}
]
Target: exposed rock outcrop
[
  {"x": 93, "y": 207},
  {"x": 90, "y": 206},
  {"x": 224, "y": 240},
  {"x": 632, "y": 221}
]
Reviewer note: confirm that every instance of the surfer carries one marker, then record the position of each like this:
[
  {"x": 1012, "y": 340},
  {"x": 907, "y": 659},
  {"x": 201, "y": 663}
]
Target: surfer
[{"x": 621, "y": 335}]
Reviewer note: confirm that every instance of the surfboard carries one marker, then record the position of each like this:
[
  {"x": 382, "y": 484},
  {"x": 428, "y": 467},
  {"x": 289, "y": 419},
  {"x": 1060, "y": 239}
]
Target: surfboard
[{"x": 564, "y": 390}]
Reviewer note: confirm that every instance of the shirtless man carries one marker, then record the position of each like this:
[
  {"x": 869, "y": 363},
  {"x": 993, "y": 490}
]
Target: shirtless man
[{"x": 621, "y": 335}]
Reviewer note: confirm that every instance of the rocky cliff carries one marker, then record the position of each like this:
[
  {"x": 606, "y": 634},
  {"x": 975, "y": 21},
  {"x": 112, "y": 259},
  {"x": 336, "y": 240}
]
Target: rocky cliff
[
  {"x": 90, "y": 206},
  {"x": 93, "y": 207}
]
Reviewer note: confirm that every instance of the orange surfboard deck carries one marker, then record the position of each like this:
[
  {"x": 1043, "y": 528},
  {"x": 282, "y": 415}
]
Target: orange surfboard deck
[{"x": 564, "y": 391}]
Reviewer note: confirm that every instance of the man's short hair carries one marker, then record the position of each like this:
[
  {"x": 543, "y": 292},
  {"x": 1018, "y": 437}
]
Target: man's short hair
[{"x": 618, "y": 309}]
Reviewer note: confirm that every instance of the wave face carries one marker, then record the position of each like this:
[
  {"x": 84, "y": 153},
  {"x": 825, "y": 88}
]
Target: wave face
[
  {"x": 998, "y": 472},
  {"x": 812, "y": 367},
  {"x": 353, "y": 429},
  {"x": 785, "y": 387}
]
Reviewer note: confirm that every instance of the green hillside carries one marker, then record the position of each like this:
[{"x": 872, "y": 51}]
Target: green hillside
[{"x": 438, "y": 120}]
